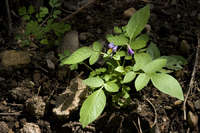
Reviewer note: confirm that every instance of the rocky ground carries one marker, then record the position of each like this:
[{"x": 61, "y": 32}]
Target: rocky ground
[{"x": 39, "y": 96}]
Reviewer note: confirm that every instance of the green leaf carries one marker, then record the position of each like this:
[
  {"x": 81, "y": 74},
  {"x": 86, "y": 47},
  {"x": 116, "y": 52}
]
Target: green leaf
[
  {"x": 43, "y": 11},
  {"x": 119, "y": 69},
  {"x": 153, "y": 50},
  {"x": 44, "y": 41},
  {"x": 111, "y": 87},
  {"x": 94, "y": 58},
  {"x": 93, "y": 82},
  {"x": 26, "y": 17},
  {"x": 78, "y": 56},
  {"x": 137, "y": 22},
  {"x": 154, "y": 66},
  {"x": 129, "y": 77},
  {"x": 56, "y": 13},
  {"x": 117, "y": 30},
  {"x": 141, "y": 59},
  {"x": 92, "y": 107},
  {"x": 97, "y": 46},
  {"x": 141, "y": 81},
  {"x": 175, "y": 62},
  {"x": 119, "y": 40},
  {"x": 140, "y": 42},
  {"x": 31, "y": 9},
  {"x": 167, "y": 84},
  {"x": 22, "y": 11}
]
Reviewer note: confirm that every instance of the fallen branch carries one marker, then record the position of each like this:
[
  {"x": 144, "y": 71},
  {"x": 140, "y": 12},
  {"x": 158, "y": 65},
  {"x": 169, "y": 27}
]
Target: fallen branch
[
  {"x": 79, "y": 10},
  {"x": 192, "y": 80}
]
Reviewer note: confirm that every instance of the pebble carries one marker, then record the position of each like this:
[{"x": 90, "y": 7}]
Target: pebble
[
  {"x": 129, "y": 12},
  {"x": 197, "y": 104},
  {"x": 35, "y": 106},
  {"x": 30, "y": 128},
  {"x": 70, "y": 42},
  {"x": 4, "y": 128},
  {"x": 192, "y": 119},
  {"x": 50, "y": 64},
  {"x": 85, "y": 36},
  {"x": 14, "y": 58}
]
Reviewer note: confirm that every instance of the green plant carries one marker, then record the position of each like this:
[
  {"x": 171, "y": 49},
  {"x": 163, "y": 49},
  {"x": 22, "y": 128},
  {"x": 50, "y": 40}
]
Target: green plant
[
  {"x": 129, "y": 63},
  {"x": 41, "y": 27}
]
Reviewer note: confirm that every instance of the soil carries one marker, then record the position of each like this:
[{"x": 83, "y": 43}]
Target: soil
[{"x": 174, "y": 25}]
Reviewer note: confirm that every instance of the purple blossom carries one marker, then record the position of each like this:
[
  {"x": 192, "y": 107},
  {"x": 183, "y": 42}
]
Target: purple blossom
[
  {"x": 113, "y": 47},
  {"x": 130, "y": 51}
]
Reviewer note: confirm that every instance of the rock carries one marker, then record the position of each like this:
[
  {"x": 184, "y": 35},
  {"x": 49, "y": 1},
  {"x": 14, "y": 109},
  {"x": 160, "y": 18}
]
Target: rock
[
  {"x": 50, "y": 64},
  {"x": 4, "y": 128},
  {"x": 51, "y": 60},
  {"x": 35, "y": 106},
  {"x": 14, "y": 58},
  {"x": 30, "y": 128},
  {"x": 85, "y": 36},
  {"x": 197, "y": 104},
  {"x": 185, "y": 47},
  {"x": 20, "y": 94},
  {"x": 70, "y": 42},
  {"x": 129, "y": 12},
  {"x": 70, "y": 99},
  {"x": 192, "y": 119}
]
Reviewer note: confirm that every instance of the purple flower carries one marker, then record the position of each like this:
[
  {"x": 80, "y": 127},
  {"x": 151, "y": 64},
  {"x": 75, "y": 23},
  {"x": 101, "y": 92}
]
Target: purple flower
[
  {"x": 113, "y": 47},
  {"x": 130, "y": 51}
]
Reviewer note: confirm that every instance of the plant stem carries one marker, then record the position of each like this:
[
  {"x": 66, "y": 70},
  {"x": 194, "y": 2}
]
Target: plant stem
[{"x": 88, "y": 66}]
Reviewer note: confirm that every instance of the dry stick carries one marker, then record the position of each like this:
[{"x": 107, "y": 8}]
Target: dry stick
[
  {"x": 79, "y": 10},
  {"x": 191, "y": 85},
  {"x": 9, "y": 17},
  {"x": 139, "y": 125},
  {"x": 13, "y": 113},
  {"x": 156, "y": 115}
]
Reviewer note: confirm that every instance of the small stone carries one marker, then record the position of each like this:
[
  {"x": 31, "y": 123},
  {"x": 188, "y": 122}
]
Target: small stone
[
  {"x": 35, "y": 106},
  {"x": 14, "y": 58},
  {"x": 197, "y": 104},
  {"x": 185, "y": 47},
  {"x": 30, "y": 128},
  {"x": 129, "y": 12},
  {"x": 70, "y": 42},
  {"x": 85, "y": 36},
  {"x": 192, "y": 119},
  {"x": 50, "y": 64},
  {"x": 178, "y": 102}
]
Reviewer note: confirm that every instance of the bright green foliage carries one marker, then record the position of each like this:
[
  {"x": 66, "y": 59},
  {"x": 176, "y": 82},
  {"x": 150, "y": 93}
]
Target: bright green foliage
[
  {"x": 41, "y": 27},
  {"x": 140, "y": 42},
  {"x": 137, "y": 22},
  {"x": 153, "y": 50},
  {"x": 111, "y": 87},
  {"x": 119, "y": 40},
  {"x": 141, "y": 81},
  {"x": 129, "y": 63},
  {"x": 94, "y": 82},
  {"x": 154, "y": 66},
  {"x": 78, "y": 56},
  {"x": 92, "y": 107},
  {"x": 129, "y": 77},
  {"x": 167, "y": 84}
]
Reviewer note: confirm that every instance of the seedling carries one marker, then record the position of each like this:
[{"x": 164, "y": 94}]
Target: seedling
[{"x": 132, "y": 61}]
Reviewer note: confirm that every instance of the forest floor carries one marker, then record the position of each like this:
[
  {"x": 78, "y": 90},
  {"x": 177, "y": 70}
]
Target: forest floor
[{"x": 175, "y": 25}]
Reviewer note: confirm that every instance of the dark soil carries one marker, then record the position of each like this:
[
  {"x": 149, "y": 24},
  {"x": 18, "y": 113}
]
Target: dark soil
[{"x": 174, "y": 26}]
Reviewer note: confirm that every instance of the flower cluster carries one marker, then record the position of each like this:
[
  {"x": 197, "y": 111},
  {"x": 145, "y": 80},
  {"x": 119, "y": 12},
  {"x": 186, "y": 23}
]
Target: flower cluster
[{"x": 114, "y": 48}]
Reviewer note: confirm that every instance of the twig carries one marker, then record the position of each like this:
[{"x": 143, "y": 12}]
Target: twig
[
  {"x": 140, "y": 129},
  {"x": 136, "y": 126},
  {"x": 192, "y": 80},
  {"x": 9, "y": 17},
  {"x": 13, "y": 113},
  {"x": 156, "y": 115},
  {"x": 79, "y": 10}
]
